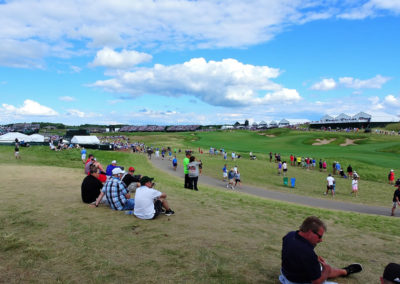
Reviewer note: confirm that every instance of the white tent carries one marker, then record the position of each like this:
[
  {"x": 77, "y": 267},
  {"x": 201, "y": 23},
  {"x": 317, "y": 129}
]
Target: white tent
[
  {"x": 11, "y": 136},
  {"x": 36, "y": 138},
  {"x": 85, "y": 140}
]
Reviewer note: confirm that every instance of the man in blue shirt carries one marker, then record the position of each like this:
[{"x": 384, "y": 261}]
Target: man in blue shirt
[
  {"x": 300, "y": 264},
  {"x": 116, "y": 193}
]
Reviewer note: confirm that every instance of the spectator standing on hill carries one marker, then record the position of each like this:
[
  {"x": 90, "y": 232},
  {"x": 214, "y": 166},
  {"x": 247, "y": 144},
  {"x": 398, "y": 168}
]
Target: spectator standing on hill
[
  {"x": 330, "y": 185},
  {"x": 338, "y": 167},
  {"x": 224, "y": 173},
  {"x": 298, "y": 161},
  {"x": 334, "y": 168},
  {"x": 324, "y": 166},
  {"x": 185, "y": 169},
  {"x": 396, "y": 196},
  {"x": 83, "y": 154},
  {"x": 16, "y": 149},
  {"x": 291, "y": 159},
  {"x": 320, "y": 165},
  {"x": 193, "y": 168},
  {"x": 284, "y": 168},
  {"x": 149, "y": 201},
  {"x": 270, "y": 157},
  {"x": 279, "y": 167},
  {"x": 354, "y": 185},
  {"x": 391, "y": 177},
  {"x": 391, "y": 274},
  {"x": 300, "y": 263},
  {"x": 350, "y": 171}
]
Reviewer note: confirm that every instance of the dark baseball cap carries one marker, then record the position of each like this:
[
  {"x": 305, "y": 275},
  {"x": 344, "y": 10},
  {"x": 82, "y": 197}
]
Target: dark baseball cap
[
  {"x": 392, "y": 272},
  {"x": 145, "y": 179}
]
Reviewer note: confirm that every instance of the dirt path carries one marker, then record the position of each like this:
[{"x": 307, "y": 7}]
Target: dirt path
[{"x": 165, "y": 165}]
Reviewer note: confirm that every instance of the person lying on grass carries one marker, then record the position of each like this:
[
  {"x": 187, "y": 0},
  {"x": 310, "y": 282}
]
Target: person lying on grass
[
  {"x": 300, "y": 264},
  {"x": 116, "y": 193},
  {"x": 149, "y": 202}
]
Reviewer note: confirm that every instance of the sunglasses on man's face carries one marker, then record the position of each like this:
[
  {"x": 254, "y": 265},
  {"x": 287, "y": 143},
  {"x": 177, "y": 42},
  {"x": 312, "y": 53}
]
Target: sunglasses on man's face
[{"x": 319, "y": 236}]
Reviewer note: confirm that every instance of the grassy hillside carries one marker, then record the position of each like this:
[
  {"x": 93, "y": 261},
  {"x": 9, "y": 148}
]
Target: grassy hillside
[{"x": 48, "y": 235}]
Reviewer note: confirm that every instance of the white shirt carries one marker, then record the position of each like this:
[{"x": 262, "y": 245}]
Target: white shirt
[
  {"x": 330, "y": 180},
  {"x": 144, "y": 202}
]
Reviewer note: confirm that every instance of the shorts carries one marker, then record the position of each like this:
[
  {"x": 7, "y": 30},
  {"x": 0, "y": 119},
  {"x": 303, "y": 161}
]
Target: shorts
[
  {"x": 157, "y": 208},
  {"x": 83, "y": 156},
  {"x": 355, "y": 187},
  {"x": 394, "y": 204},
  {"x": 237, "y": 180},
  {"x": 285, "y": 170},
  {"x": 231, "y": 181},
  {"x": 225, "y": 175},
  {"x": 16, "y": 154},
  {"x": 330, "y": 187},
  {"x": 174, "y": 164}
]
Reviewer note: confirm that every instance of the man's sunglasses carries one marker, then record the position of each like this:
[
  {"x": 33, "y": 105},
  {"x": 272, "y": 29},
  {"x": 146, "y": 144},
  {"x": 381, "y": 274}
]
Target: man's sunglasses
[{"x": 319, "y": 236}]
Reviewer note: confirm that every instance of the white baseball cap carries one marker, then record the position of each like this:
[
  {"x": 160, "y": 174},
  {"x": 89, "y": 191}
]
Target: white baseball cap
[{"x": 117, "y": 171}]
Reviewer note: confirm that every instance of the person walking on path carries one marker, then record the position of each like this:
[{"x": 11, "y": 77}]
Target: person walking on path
[
  {"x": 185, "y": 169},
  {"x": 193, "y": 168},
  {"x": 391, "y": 177},
  {"x": 174, "y": 163},
  {"x": 396, "y": 197},
  {"x": 300, "y": 263},
  {"x": 231, "y": 179},
  {"x": 237, "y": 178}
]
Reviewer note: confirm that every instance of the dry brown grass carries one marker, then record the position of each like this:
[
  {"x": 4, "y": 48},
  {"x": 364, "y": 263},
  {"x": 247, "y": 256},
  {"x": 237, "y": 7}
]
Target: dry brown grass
[{"x": 47, "y": 234}]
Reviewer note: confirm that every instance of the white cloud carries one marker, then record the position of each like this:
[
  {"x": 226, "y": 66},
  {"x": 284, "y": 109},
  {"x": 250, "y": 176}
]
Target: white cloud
[
  {"x": 371, "y": 8},
  {"x": 373, "y": 83},
  {"x": 29, "y": 108},
  {"x": 76, "y": 69},
  {"x": 67, "y": 99},
  {"x": 350, "y": 82},
  {"x": 32, "y": 30},
  {"x": 119, "y": 60},
  {"x": 81, "y": 114},
  {"x": 324, "y": 85},
  {"x": 224, "y": 83}
]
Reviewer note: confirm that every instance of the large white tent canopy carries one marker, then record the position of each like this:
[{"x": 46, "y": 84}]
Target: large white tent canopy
[
  {"x": 11, "y": 136},
  {"x": 85, "y": 140}
]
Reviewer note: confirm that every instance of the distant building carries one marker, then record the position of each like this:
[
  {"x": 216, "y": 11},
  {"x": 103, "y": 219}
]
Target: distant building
[
  {"x": 273, "y": 124},
  {"x": 284, "y": 123}
]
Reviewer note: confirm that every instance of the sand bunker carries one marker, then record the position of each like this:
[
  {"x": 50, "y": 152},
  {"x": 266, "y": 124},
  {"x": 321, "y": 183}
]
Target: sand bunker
[
  {"x": 349, "y": 142},
  {"x": 323, "y": 141},
  {"x": 268, "y": 135}
]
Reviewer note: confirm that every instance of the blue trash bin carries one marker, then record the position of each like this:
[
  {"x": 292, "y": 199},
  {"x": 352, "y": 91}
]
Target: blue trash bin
[{"x": 292, "y": 182}]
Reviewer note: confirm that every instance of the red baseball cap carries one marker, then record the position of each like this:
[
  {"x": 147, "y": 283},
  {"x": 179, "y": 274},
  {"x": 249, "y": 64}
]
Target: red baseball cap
[{"x": 131, "y": 169}]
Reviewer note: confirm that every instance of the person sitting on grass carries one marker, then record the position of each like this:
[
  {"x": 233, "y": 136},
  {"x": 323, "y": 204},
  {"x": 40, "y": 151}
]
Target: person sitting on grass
[
  {"x": 300, "y": 264},
  {"x": 110, "y": 168},
  {"x": 91, "y": 187},
  {"x": 149, "y": 201},
  {"x": 131, "y": 181},
  {"x": 116, "y": 193}
]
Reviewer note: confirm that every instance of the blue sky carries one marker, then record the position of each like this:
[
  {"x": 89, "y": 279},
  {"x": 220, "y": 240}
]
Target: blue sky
[{"x": 198, "y": 62}]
